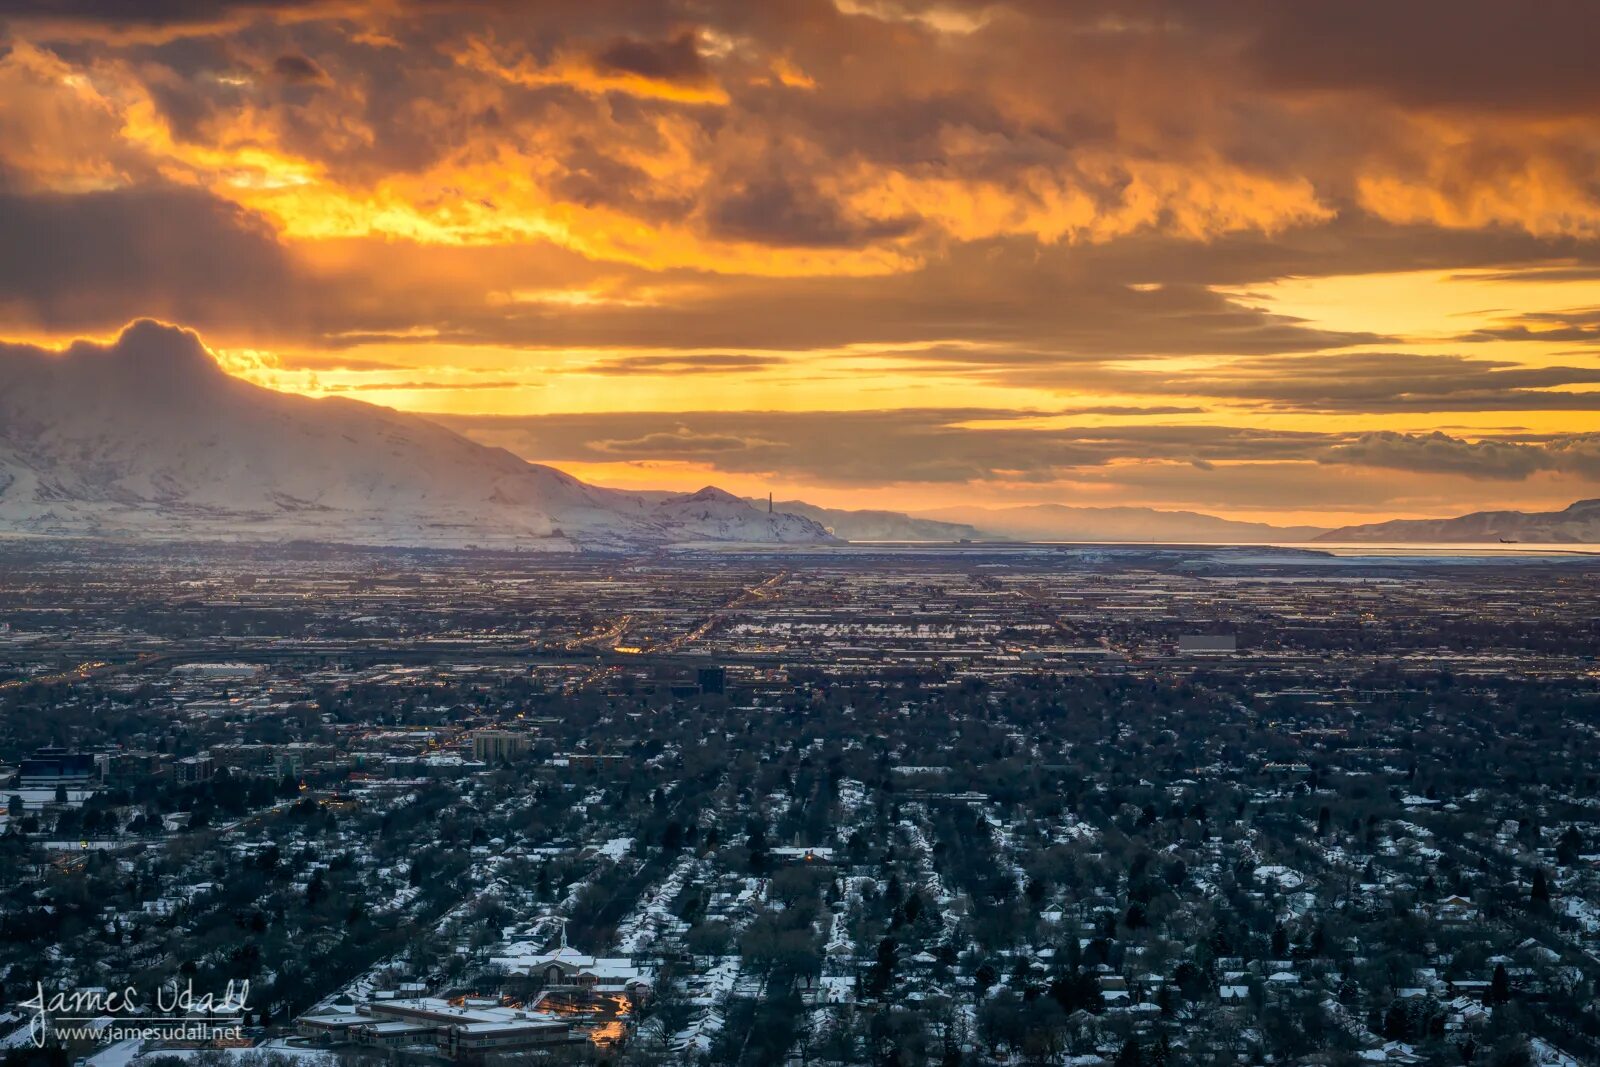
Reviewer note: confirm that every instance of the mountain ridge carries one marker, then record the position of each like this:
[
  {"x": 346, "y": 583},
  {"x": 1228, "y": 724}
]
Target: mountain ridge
[
  {"x": 875, "y": 524},
  {"x": 1065, "y": 522},
  {"x": 1577, "y": 523},
  {"x": 148, "y": 437}
]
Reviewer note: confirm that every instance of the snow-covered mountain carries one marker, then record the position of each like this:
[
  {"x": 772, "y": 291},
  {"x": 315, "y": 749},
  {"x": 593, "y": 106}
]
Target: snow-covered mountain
[
  {"x": 1579, "y": 523},
  {"x": 147, "y": 437},
  {"x": 874, "y": 525}
]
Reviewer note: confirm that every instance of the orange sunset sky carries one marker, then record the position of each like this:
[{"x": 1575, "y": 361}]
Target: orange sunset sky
[{"x": 1282, "y": 261}]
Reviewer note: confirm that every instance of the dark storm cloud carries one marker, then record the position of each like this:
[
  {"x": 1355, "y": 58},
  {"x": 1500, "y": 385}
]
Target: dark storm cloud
[
  {"x": 1564, "y": 273},
  {"x": 680, "y": 443},
  {"x": 300, "y": 69},
  {"x": 1504, "y": 460},
  {"x": 870, "y": 447},
  {"x": 115, "y": 13},
  {"x": 778, "y": 209},
  {"x": 1438, "y": 453},
  {"x": 1433, "y": 53},
  {"x": 1356, "y": 242},
  {"x": 1024, "y": 306},
  {"x": 1066, "y": 111},
  {"x": 1039, "y": 307},
  {"x": 676, "y": 60},
  {"x": 1396, "y": 381},
  {"x": 1577, "y": 326},
  {"x": 593, "y": 177},
  {"x": 1029, "y": 308},
  {"x": 687, "y": 363},
  {"x": 1347, "y": 382},
  {"x": 1134, "y": 409},
  {"x": 97, "y": 260},
  {"x": 1576, "y": 452}
]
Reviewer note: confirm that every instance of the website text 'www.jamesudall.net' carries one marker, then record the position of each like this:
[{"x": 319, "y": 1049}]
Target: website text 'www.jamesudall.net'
[{"x": 72, "y": 1030}]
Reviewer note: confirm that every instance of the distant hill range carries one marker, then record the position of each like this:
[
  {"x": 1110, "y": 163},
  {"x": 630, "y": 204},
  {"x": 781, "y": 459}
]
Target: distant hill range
[
  {"x": 1061, "y": 522},
  {"x": 1576, "y": 524},
  {"x": 872, "y": 525}
]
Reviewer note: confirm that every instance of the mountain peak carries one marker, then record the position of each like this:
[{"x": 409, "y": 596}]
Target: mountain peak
[
  {"x": 711, "y": 494},
  {"x": 152, "y": 353}
]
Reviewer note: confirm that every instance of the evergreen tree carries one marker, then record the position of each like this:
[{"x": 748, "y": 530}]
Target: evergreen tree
[
  {"x": 1569, "y": 847},
  {"x": 1500, "y": 985},
  {"x": 756, "y": 846}
]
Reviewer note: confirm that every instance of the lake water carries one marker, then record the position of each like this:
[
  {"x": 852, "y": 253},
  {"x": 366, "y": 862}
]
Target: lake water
[{"x": 1443, "y": 548}]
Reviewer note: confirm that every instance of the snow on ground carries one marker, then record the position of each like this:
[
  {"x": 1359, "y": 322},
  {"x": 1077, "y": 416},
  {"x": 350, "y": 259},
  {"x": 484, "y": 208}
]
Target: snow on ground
[
  {"x": 616, "y": 848},
  {"x": 307, "y": 1057},
  {"x": 118, "y": 1055},
  {"x": 19, "y": 1037},
  {"x": 653, "y": 913}
]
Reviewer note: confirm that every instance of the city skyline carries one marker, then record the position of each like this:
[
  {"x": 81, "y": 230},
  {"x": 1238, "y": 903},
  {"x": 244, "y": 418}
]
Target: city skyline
[{"x": 1270, "y": 262}]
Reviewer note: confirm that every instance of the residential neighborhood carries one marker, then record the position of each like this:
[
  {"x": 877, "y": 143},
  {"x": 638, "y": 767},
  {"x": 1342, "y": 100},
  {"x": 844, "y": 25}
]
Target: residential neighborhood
[{"x": 980, "y": 806}]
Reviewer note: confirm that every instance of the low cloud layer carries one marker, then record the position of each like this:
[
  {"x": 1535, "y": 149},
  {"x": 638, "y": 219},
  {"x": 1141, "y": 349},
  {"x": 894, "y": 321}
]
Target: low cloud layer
[{"x": 944, "y": 446}]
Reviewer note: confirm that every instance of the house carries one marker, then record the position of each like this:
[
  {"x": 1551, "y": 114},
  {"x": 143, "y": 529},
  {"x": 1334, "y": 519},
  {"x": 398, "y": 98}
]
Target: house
[
  {"x": 456, "y": 1032},
  {"x": 330, "y": 1028},
  {"x": 567, "y": 967},
  {"x": 53, "y": 768},
  {"x": 802, "y": 853},
  {"x": 1114, "y": 991},
  {"x": 835, "y": 989},
  {"x": 1455, "y": 909}
]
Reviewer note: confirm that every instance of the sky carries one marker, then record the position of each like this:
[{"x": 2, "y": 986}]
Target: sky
[{"x": 1285, "y": 262}]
